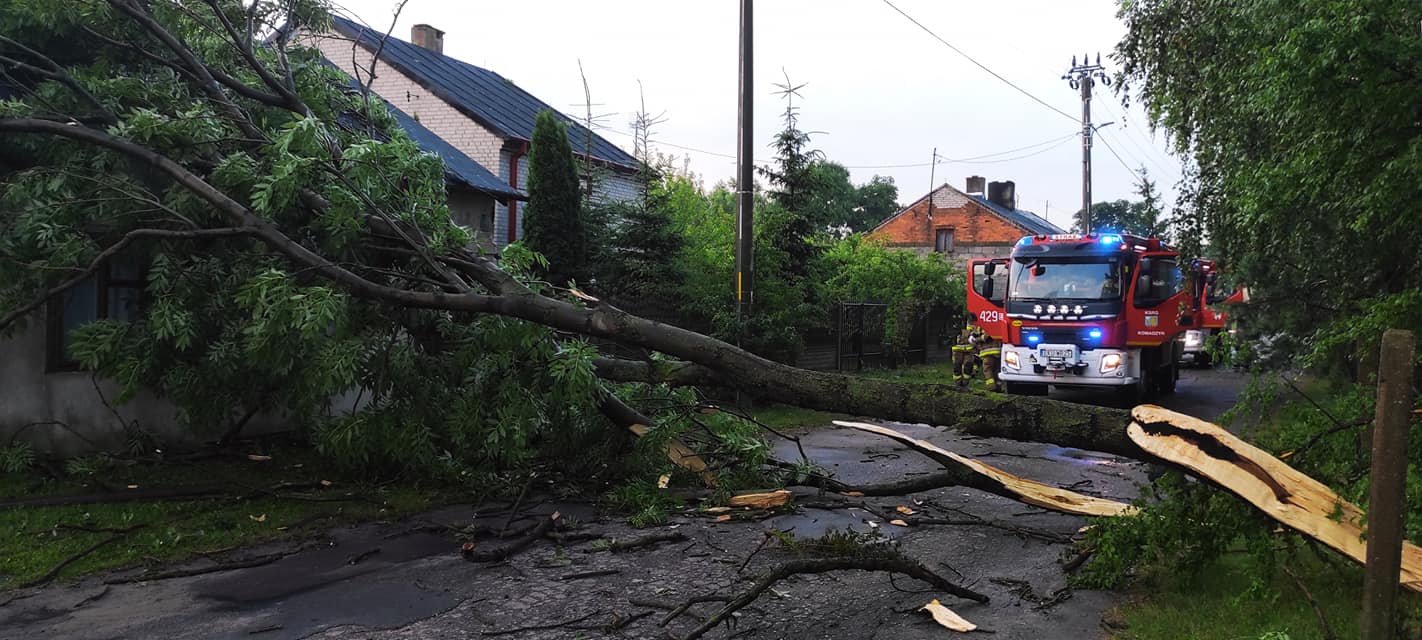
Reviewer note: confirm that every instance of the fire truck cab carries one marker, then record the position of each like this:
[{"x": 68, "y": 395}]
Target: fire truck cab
[{"x": 1095, "y": 310}]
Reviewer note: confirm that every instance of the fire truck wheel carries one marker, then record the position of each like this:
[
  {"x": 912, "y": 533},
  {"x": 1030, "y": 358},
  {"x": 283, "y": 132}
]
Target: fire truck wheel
[
  {"x": 1166, "y": 379},
  {"x": 1132, "y": 395}
]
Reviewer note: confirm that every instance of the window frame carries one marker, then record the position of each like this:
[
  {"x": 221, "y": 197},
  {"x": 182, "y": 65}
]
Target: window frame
[
  {"x": 56, "y": 360},
  {"x": 942, "y": 232}
]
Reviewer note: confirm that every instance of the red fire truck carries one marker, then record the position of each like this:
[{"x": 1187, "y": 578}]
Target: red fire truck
[{"x": 1097, "y": 310}]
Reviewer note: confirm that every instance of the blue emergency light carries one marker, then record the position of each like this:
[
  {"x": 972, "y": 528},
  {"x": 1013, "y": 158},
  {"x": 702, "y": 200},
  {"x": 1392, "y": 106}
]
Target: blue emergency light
[
  {"x": 1094, "y": 334},
  {"x": 1110, "y": 238},
  {"x": 1033, "y": 338}
]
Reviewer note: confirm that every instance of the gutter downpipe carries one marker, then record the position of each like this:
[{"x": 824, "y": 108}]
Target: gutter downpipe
[{"x": 513, "y": 182}]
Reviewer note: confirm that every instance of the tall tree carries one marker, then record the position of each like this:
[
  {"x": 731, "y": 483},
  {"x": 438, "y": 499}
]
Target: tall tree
[
  {"x": 1307, "y": 163},
  {"x": 1146, "y": 212},
  {"x": 794, "y": 181},
  {"x": 832, "y": 196},
  {"x": 876, "y": 200},
  {"x": 554, "y": 223},
  {"x": 1142, "y": 217},
  {"x": 1113, "y": 215}
]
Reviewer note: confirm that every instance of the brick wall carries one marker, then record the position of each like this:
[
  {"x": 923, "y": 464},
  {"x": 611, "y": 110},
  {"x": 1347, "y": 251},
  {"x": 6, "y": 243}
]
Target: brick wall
[
  {"x": 977, "y": 231},
  {"x": 471, "y": 139},
  {"x": 463, "y": 133}
]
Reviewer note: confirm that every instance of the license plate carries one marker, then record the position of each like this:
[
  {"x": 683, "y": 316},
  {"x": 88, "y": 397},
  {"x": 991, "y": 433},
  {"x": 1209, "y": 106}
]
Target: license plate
[{"x": 1055, "y": 353}]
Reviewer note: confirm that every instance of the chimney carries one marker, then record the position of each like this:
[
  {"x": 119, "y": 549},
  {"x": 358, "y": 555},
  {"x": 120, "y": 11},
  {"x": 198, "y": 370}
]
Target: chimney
[
  {"x": 428, "y": 37},
  {"x": 975, "y": 185},
  {"x": 1003, "y": 194}
]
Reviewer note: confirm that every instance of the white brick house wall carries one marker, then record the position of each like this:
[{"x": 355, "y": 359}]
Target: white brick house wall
[
  {"x": 472, "y": 139},
  {"x": 481, "y": 145}
]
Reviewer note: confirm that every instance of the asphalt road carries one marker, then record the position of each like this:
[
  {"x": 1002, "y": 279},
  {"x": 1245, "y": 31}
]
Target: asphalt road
[{"x": 386, "y": 581}]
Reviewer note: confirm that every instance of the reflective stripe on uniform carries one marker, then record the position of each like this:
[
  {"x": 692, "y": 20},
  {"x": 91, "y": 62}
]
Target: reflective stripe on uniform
[
  {"x": 989, "y": 352},
  {"x": 962, "y": 347}
]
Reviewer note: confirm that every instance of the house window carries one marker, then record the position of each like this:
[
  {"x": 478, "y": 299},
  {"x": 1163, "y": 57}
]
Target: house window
[
  {"x": 113, "y": 293},
  {"x": 943, "y": 241}
]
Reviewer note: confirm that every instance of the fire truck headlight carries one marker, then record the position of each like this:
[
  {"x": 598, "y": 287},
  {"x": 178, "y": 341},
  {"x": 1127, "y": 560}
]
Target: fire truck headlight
[
  {"x": 1194, "y": 338},
  {"x": 1110, "y": 362},
  {"x": 1009, "y": 358}
]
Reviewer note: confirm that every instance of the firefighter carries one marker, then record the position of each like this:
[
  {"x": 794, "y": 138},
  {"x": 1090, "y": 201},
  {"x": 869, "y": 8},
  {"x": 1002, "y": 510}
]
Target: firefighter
[
  {"x": 965, "y": 352},
  {"x": 990, "y": 353}
]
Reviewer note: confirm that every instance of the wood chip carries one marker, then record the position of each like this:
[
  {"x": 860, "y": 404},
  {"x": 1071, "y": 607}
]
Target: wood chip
[
  {"x": 716, "y": 509},
  {"x": 260, "y": 518},
  {"x": 853, "y": 494},
  {"x": 945, "y": 616},
  {"x": 663, "y": 481},
  {"x": 905, "y": 510},
  {"x": 724, "y": 518},
  {"x": 899, "y": 523},
  {"x": 258, "y": 458},
  {"x": 760, "y": 500}
]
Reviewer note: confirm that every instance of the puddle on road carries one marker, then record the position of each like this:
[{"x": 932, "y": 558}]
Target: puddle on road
[{"x": 811, "y": 523}]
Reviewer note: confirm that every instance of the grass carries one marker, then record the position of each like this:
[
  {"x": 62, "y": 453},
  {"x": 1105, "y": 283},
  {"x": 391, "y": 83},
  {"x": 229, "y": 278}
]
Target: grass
[
  {"x": 1219, "y": 604},
  {"x": 1212, "y": 605},
  {"x": 787, "y": 417},
  {"x": 33, "y": 540}
]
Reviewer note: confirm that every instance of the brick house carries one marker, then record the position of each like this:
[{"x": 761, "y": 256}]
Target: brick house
[
  {"x": 976, "y": 223},
  {"x": 475, "y": 194},
  {"x": 474, "y": 110}
]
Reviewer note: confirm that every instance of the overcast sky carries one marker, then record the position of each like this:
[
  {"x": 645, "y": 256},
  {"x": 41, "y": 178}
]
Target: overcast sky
[{"x": 882, "y": 91}]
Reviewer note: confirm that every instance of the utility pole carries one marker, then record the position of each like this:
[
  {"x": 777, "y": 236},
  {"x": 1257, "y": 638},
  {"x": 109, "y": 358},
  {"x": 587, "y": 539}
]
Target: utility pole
[
  {"x": 1084, "y": 76},
  {"x": 745, "y": 176},
  {"x": 932, "y": 184}
]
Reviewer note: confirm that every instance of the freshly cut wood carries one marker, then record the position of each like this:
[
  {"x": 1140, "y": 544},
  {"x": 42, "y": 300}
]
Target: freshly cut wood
[
  {"x": 760, "y": 500},
  {"x": 1275, "y": 488},
  {"x": 947, "y": 618},
  {"x": 680, "y": 455},
  {"x": 997, "y": 481}
]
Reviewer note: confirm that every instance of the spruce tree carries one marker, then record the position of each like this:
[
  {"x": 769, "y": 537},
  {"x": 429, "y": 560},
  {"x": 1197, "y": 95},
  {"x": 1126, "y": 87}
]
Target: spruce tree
[{"x": 553, "y": 223}]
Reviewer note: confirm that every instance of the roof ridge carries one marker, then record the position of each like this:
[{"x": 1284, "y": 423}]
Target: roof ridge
[{"x": 483, "y": 95}]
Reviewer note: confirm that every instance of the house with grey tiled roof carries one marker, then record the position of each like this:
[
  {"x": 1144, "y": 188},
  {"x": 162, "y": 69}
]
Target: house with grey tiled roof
[
  {"x": 475, "y": 111},
  {"x": 981, "y": 221}
]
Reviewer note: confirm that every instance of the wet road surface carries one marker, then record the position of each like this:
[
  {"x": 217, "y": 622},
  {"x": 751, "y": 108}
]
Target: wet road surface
[{"x": 387, "y": 581}]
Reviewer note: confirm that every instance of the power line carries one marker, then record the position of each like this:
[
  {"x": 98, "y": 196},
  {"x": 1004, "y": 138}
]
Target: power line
[
  {"x": 979, "y": 159},
  {"x": 1117, "y": 156},
  {"x": 979, "y": 64},
  {"x": 1131, "y": 140},
  {"x": 969, "y": 160}
]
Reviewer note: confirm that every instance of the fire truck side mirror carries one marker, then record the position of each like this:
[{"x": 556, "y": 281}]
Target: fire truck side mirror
[
  {"x": 989, "y": 268},
  {"x": 987, "y": 285},
  {"x": 1143, "y": 288}
]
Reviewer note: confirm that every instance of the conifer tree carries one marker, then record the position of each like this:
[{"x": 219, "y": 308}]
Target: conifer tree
[{"x": 553, "y": 222}]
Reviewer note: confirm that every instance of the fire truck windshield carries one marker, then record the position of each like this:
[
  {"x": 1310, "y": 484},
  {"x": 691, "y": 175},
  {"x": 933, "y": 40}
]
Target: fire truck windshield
[{"x": 1034, "y": 279}]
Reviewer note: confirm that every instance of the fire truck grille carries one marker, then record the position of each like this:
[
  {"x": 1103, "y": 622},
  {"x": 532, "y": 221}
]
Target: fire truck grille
[{"x": 1063, "y": 335}]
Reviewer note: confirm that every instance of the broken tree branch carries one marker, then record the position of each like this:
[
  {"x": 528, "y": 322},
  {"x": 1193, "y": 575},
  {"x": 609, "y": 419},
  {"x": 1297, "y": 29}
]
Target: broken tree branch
[
  {"x": 54, "y": 573},
  {"x": 472, "y": 554},
  {"x": 185, "y": 573},
  {"x": 985, "y": 477},
  {"x": 801, "y": 567},
  {"x": 1271, "y": 485}
]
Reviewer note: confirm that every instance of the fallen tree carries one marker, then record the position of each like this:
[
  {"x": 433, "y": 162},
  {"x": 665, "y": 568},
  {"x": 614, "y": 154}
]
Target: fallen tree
[{"x": 277, "y": 167}]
